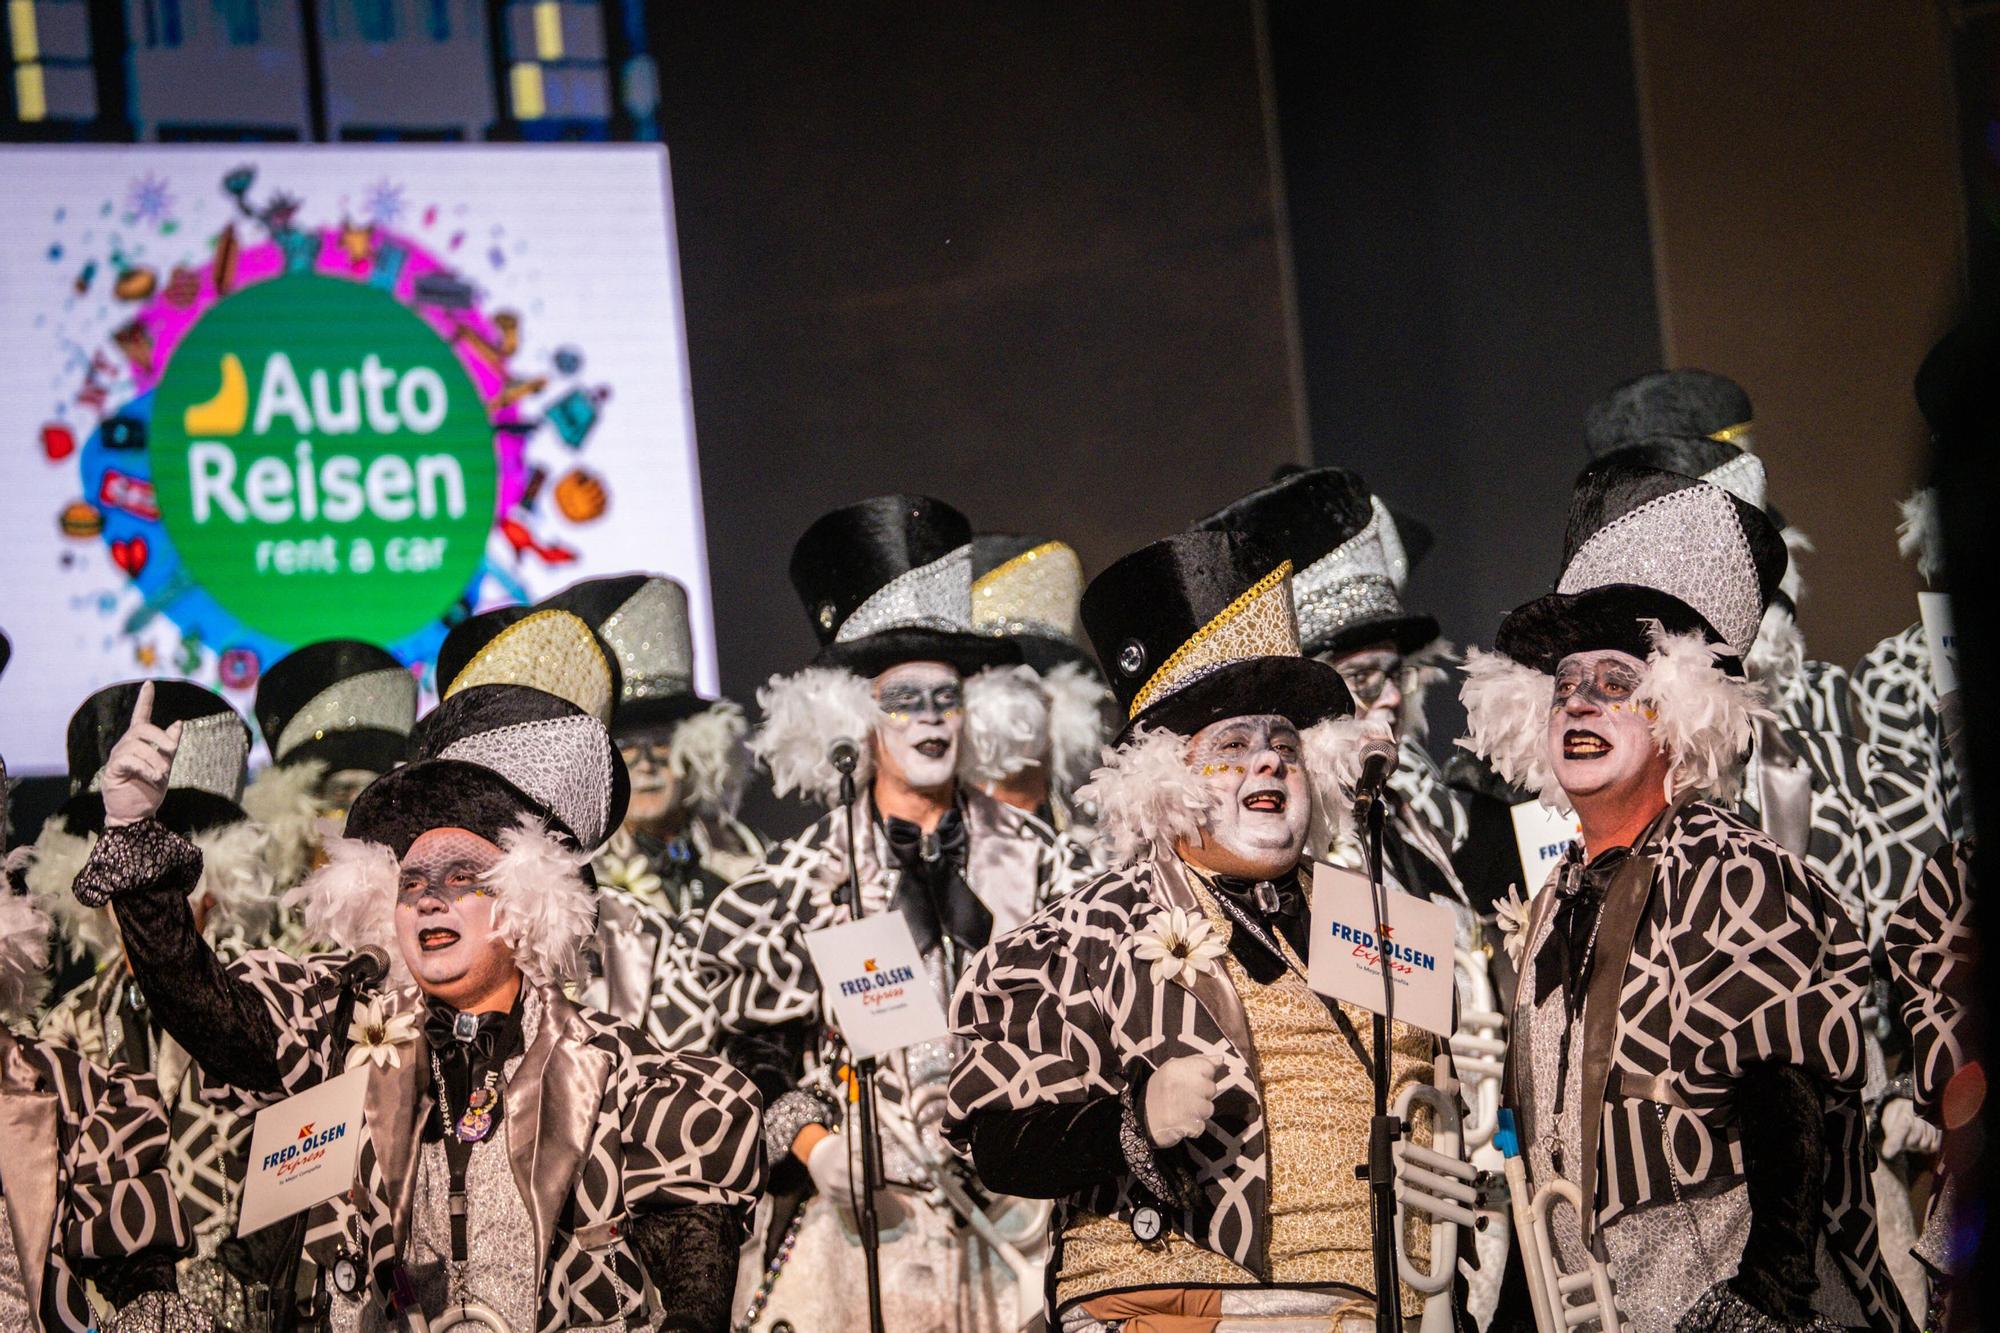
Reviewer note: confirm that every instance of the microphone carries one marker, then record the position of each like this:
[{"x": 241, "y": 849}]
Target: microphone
[
  {"x": 368, "y": 965},
  {"x": 1378, "y": 760},
  {"x": 843, "y": 754}
]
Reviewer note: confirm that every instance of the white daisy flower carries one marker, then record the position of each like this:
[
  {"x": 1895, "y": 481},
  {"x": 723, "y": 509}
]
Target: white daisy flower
[
  {"x": 1181, "y": 946},
  {"x": 377, "y": 1035},
  {"x": 634, "y": 874},
  {"x": 1511, "y": 913}
]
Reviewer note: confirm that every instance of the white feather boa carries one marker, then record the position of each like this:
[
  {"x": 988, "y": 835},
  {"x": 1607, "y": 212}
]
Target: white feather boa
[
  {"x": 235, "y": 878},
  {"x": 1079, "y": 704},
  {"x": 709, "y": 755},
  {"x": 1921, "y": 533},
  {"x": 1006, "y": 725},
  {"x": 1778, "y": 653},
  {"x": 24, "y": 955},
  {"x": 1507, "y": 718},
  {"x": 284, "y": 799},
  {"x": 1793, "y": 584},
  {"x": 1704, "y": 718},
  {"x": 1148, "y": 798},
  {"x": 804, "y": 713},
  {"x": 541, "y": 906}
]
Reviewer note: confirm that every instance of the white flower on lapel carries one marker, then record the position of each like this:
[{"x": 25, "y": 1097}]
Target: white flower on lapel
[
  {"x": 1181, "y": 946},
  {"x": 633, "y": 873},
  {"x": 1512, "y": 914},
  {"x": 376, "y": 1035}
]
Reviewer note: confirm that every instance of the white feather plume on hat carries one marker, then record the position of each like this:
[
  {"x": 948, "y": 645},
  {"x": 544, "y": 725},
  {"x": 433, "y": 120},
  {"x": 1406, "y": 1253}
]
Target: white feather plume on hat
[
  {"x": 1079, "y": 701},
  {"x": 24, "y": 954},
  {"x": 804, "y": 713},
  {"x": 235, "y": 879},
  {"x": 284, "y": 799},
  {"x": 1006, "y": 724},
  {"x": 709, "y": 755}
]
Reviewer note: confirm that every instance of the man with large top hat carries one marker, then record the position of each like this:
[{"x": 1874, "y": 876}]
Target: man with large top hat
[
  {"x": 1685, "y": 1049},
  {"x": 108, "y": 1019},
  {"x": 899, "y": 678},
  {"x": 526, "y": 1163},
  {"x": 1146, "y": 1051}
]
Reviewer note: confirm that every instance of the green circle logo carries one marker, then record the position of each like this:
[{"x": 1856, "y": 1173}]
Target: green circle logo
[{"x": 322, "y": 462}]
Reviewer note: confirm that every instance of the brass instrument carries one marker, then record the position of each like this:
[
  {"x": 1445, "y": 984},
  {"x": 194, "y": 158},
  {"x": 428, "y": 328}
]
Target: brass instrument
[
  {"x": 1439, "y": 1184},
  {"x": 1563, "y": 1302}
]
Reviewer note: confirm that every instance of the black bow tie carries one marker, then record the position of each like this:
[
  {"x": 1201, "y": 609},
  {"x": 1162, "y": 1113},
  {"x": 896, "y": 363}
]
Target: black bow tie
[
  {"x": 932, "y": 893},
  {"x": 1278, "y": 905},
  {"x": 1566, "y": 956},
  {"x": 472, "y": 1040}
]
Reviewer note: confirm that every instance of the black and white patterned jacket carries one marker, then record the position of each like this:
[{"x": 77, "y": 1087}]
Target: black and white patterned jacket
[
  {"x": 1732, "y": 953},
  {"x": 1929, "y": 946},
  {"x": 83, "y": 1175},
  {"x": 753, "y": 934},
  {"x": 604, "y": 1124},
  {"x": 1896, "y": 707}
]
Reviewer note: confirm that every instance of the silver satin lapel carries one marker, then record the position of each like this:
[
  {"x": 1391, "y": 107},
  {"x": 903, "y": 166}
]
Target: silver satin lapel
[
  {"x": 629, "y": 951},
  {"x": 999, "y": 863},
  {"x": 552, "y": 1103},
  {"x": 397, "y": 1100},
  {"x": 28, "y": 1167},
  {"x": 1211, "y": 989},
  {"x": 1784, "y": 790},
  {"x": 1539, "y": 909}
]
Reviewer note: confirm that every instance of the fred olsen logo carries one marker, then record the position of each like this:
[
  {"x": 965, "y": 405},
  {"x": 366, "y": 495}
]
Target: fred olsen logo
[
  {"x": 308, "y": 1147},
  {"x": 315, "y": 440},
  {"x": 1371, "y": 945},
  {"x": 879, "y": 985}
]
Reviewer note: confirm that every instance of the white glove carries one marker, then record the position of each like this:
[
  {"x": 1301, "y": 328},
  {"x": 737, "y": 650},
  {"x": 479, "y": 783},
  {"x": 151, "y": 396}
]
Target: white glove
[
  {"x": 135, "y": 776},
  {"x": 1180, "y": 1097},
  {"x": 827, "y": 1165},
  {"x": 1904, "y": 1131}
]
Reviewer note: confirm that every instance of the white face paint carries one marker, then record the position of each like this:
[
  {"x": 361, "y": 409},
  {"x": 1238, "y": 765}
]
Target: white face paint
[
  {"x": 1374, "y": 676},
  {"x": 655, "y": 790},
  {"x": 1261, "y": 805},
  {"x": 923, "y": 710},
  {"x": 444, "y": 917},
  {"x": 1600, "y": 737}
]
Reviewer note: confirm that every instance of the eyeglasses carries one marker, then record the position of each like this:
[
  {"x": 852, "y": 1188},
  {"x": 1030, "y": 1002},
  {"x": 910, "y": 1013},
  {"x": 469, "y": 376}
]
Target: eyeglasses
[{"x": 1366, "y": 681}]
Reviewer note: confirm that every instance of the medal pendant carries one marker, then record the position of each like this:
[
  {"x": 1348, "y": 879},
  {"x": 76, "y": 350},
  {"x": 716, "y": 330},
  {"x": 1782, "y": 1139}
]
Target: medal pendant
[
  {"x": 474, "y": 1125},
  {"x": 480, "y": 1100}
]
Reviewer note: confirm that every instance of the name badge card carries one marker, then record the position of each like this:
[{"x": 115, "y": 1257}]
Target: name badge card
[
  {"x": 1349, "y": 946},
  {"x": 1541, "y": 836},
  {"x": 1935, "y": 608},
  {"x": 303, "y": 1150},
  {"x": 871, "y": 972}
]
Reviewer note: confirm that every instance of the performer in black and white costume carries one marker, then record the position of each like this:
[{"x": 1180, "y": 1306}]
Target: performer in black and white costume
[
  {"x": 681, "y": 841},
  {"x": 1146, "y": 1051},
  {"x": 601, "y": 1180},
  {"x": 335, "y": 716},
  {"x": 901, "y": 676},
  {"x": 107, "y": 1019},
  {"x": 1685, "y": 1048},
  {"x": 1026, "y": 590}
]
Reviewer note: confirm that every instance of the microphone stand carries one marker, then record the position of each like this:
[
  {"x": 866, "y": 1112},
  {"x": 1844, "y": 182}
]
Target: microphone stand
[
  {"x": 864, "y": 1078},
  {"x": 1383, "y": 1129}
]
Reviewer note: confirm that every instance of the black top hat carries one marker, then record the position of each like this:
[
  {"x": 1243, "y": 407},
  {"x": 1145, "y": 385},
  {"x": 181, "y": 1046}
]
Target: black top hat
[
  {"x": 488, "y": 755},
  {"x": 1668, "y": 402},
  {"x": 1198, "y": 628},
  {"x": 1026, "y": 590},
  {"x": 1714, "y": 461},
  {"x": 1646, "y": 544},
  {"x": 1349, "y": 566},
  {"x": 206, "y": 780},
  {"x": 544, "y": 648},
  {"x": 345, "y": 703},
  {"x": 889, "y": 580},
  {"x": 643, "y": 620}
]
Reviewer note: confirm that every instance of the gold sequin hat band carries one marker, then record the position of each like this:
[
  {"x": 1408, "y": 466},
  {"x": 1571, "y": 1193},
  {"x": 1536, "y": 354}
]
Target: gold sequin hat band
[
  {"x": 549, "y": 650},
  {"x": 1190, "y": 631}
]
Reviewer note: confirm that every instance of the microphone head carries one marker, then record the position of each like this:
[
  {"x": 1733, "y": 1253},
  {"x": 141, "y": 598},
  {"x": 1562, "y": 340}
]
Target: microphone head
[
  {"x": 369, "y": 964},
  {"x": 843, "y": 754},
  {"x": 1378, "y": 755}
]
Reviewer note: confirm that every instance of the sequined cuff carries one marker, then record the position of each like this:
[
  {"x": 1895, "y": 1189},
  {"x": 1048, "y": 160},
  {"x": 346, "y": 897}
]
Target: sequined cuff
[
  {"x": 142, "y": 855},
  {"x": 1721, "y": 1310},
  {"x": 792, "y": 1112},
  {"x": 159, "y": 1311},
  {"x": 1158, "y": 1177}
]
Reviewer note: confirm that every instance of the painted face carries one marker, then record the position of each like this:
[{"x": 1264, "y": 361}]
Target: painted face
[
  {"x": 923, "y": 710},
  {"x": 655, "y": 789},
  {"x": 444, "y": 916},
  {"x": 1374, "y": 676},
  {"x": 1261, "y": 804},
  {"x": 1599, "y": 736}
]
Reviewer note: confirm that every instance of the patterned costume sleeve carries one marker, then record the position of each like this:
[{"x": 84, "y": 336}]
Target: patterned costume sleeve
[
  {"x": 1766, "y": 967},
  {"x": 691, "y": 1133},
  {"x": 1064, "y": 867},
  {"x": 121, "y": 1201},
  {"x": 753, "y": 950},
  {"x": 1929, "y": 950}
]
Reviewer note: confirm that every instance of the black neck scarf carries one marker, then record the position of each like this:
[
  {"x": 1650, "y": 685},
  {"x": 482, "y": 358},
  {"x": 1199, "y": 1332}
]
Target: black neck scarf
[
  {"x": 1566, "y": 957},
  {"x": 931, "y": 891},
  {"x": 467, "y": 1046},
  {"x": 1279, "y": 905}
]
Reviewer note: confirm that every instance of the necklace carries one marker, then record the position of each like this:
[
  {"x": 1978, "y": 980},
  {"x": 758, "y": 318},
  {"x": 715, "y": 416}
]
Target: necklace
[{"x": 477, "y": 1121}]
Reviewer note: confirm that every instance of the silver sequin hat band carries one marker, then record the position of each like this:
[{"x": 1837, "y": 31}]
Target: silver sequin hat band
[
  {"x": 562, "y": 763},
  {"x": 384, "y": 700},
  {"x": 1689, "y": 544},
  {"x": 649, "y": 635},
  {"x": 1358, "y": 580},
  {"x": 936, "y": 596},
  {"x": 212, "y": 753}
]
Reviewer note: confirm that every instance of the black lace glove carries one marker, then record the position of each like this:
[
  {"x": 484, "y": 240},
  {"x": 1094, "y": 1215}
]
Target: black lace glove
[{"x": 690, "y": 1255}]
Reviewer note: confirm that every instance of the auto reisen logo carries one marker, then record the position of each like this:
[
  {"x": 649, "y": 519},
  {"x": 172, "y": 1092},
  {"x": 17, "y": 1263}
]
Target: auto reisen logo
[{"x": 316, "y": 445}]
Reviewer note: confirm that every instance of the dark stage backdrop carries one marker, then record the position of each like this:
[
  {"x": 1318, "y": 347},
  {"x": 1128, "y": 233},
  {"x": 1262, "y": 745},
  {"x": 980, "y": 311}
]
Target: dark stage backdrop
[
  {"x": 1468, "y": 215},
  {"x": 1023, "y": 257}
]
